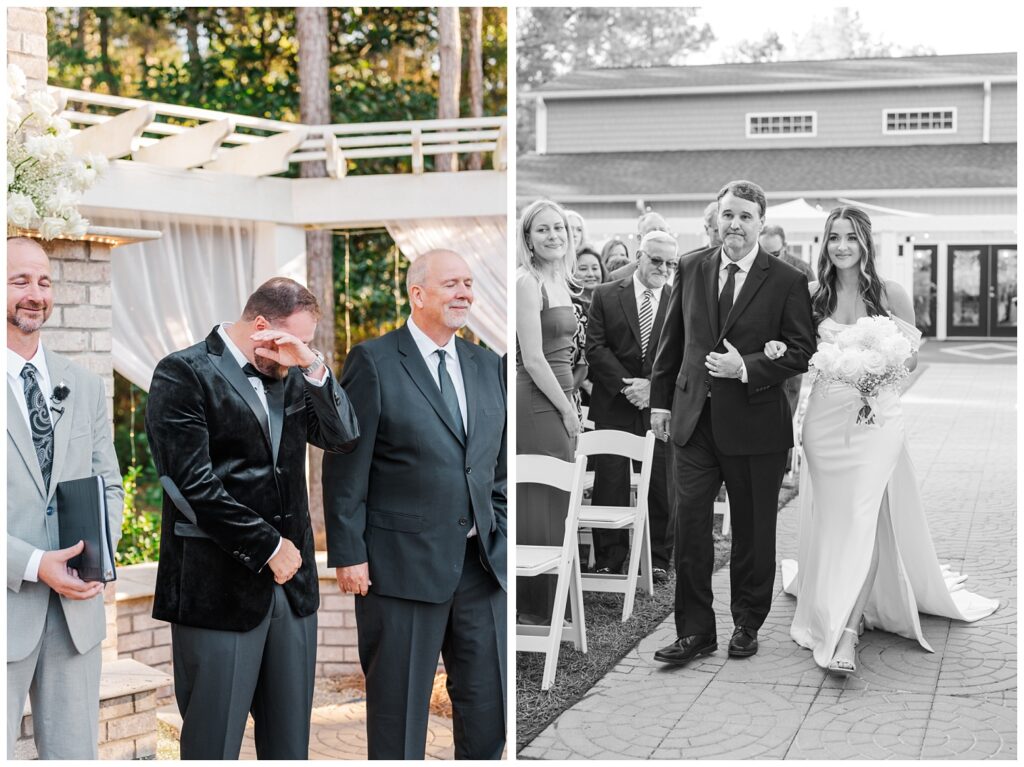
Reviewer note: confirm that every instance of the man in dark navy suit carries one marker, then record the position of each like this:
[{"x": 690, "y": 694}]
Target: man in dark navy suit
[{"x": 416, "y": 520}]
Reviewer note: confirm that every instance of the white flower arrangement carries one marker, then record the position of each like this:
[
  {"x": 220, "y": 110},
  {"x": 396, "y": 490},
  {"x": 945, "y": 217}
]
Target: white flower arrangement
[
  {"x": 45, "y": 180},
  {"x": 869, "y": 356}
]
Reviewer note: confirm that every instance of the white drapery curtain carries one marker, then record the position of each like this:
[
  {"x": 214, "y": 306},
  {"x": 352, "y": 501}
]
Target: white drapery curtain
[
  {"x": 169, "y": 293},
  {"x": 481, "y": 241}
]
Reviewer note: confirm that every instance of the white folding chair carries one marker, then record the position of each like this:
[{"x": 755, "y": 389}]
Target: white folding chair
[
  {"x": 634, "y": 518},
  {"x": 562, "y": 561}
]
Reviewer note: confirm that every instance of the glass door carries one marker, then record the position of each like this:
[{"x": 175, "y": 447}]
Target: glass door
[{"x": 982, "y": 290}]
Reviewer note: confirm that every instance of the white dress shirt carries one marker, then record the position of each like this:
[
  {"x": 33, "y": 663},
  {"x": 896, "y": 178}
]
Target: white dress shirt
[
  {"x": 15, "y": 364},
  {"x": 428, "y": 349},
  {"x": 638, "y": 291},
  {"x": 257, "y": 386}
]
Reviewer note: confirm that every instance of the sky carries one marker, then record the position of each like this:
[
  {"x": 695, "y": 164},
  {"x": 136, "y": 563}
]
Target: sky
[{"x": 985, "y": 28}]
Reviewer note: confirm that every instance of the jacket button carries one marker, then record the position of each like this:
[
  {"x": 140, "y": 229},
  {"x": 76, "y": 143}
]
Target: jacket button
[
  {"x": 469, "y": 469},
  {"x": 235, "y": 553},
  {"x": 49, "y": 511},
  {"x": 277, "y": 517},
  {"x": 463, "y": 521},
  {"x": 279, "y": 470}
]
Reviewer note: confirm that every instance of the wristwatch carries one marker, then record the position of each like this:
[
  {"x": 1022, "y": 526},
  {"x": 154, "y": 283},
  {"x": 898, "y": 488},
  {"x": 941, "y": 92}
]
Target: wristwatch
[{"x": 315, "y": 365}]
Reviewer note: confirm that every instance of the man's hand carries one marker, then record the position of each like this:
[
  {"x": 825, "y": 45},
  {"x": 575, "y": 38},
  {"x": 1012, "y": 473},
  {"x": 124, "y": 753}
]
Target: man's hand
[
  {"x": 354, "y": 579},
  {"x": 54, "y": 572},
  {"x": 286, "y": 562},
  {"x": 659, "y": 425},
  {"x": 290, "y": 350},
  {"x": 638, "y": 392},
  {"x": 728, "y": 365}
]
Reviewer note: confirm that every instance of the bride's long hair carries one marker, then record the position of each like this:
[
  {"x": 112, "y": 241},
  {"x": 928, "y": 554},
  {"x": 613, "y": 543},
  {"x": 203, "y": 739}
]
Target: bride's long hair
[{"x": 870, "y": 285}]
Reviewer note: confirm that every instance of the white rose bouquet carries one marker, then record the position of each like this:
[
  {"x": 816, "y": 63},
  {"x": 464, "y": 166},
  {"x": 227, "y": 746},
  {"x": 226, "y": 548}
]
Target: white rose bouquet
[
  {"x": 869, "y": 357},
  {"x": 45, "y": 181}
]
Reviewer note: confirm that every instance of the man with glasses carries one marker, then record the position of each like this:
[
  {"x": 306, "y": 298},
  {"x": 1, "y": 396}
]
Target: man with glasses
[
  {"x": 648, "y": 222},
  {"x": 626, "y": 317}
]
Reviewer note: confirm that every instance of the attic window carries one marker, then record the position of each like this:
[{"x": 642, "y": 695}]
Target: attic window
[
  {"x": 779, "y": 124},
  {"x": 942, "y": 120}
]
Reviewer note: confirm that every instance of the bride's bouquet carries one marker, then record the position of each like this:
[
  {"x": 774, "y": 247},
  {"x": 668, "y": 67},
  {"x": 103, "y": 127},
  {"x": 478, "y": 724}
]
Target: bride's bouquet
[{"x": 869, "y": 356}]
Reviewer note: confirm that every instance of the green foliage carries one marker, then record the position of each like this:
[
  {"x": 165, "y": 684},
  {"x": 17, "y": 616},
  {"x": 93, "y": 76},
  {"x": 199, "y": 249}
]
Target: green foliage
[
  {"x": 140, "y": 527},
  {"x": 143, "y": 496}
]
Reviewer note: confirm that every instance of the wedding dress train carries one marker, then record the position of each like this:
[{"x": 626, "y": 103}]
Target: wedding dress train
[{"x": 858, "y": 491}]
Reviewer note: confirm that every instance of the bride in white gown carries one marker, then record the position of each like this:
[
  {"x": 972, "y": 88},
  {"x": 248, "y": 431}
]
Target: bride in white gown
[{"x": 865, "y": 551}]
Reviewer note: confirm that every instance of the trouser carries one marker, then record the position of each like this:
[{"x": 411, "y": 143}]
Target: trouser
[
  {"x": 222, "y": 676},
  {"x": 65, "y": 690},
  {"x": 752, "y": 482},
  {"x": 399, "y": 643}
]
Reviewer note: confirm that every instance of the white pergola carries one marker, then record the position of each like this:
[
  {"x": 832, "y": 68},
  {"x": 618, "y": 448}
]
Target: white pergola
[{"x": 176, "y": 163}]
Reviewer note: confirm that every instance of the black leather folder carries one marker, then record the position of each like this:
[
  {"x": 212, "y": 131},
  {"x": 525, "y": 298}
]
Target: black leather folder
[{"x": 82, "y": 516}]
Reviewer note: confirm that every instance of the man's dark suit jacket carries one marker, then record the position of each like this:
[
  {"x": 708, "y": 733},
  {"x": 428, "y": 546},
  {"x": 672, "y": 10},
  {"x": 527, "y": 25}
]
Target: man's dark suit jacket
[
  {"x": 747, "y": 418},
  {"x": 209, "y": 433},
  {"x": 405, "y": 498},
  {"x": 613, "y": 350}
]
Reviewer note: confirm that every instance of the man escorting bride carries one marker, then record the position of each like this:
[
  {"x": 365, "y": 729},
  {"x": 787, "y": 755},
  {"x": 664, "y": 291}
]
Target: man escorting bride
[{"x": 866, "y": 556}]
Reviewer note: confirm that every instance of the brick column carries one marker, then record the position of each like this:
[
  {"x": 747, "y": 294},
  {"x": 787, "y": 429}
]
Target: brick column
[
  {"x": 80, "y": 329},
  {"x": 26, "y": 43}
]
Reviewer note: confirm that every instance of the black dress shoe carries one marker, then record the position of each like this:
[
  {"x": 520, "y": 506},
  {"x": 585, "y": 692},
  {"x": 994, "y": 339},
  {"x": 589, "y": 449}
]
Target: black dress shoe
[
  {"x": 659, "y": 574},
  {"x": 743, "y": 643},
  {"x": 685, "y": 649}
]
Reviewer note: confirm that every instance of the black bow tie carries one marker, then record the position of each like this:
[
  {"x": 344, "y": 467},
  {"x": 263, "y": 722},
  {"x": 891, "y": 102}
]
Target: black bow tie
[{"x": 251, "y": 371}]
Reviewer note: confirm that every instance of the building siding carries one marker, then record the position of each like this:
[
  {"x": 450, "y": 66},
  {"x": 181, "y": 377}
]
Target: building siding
[
  {"x": 844, "y": 118},
  {"x": 1004, "y": 113}
]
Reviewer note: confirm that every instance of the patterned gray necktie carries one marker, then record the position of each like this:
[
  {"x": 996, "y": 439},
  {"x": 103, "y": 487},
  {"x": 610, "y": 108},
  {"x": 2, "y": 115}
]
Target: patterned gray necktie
[
  {"x": 447, "y": 387},
  {"x": 646, "y": 321},
  {"x": 39, "y": 422}
]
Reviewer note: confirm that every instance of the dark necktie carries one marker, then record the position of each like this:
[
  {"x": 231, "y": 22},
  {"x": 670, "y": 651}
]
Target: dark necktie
[
  {"x": 39, "y": 422},
  {"x": 447, "y": 387},
  {"x": 646, "y": 321},
  {"x": 726, "y": 296}
]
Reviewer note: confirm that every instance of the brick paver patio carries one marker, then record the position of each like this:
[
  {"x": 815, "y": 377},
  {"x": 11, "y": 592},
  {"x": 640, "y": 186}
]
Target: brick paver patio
[{"x": 903, "y": 702}]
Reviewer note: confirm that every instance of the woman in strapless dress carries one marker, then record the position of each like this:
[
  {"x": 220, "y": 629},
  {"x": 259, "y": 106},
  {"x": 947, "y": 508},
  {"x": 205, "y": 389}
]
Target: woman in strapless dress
[{"x": 866, "y": 557}]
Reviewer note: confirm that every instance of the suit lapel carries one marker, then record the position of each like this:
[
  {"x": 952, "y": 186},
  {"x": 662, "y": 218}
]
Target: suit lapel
[
  {"x": 225, "y": 364},
  {"x": 60, "y": 371},
  {"x": 753, "y": 282},
  {"x": 467, "y": 363},
  {"x": 627, "y": 298},
  {"x": 22, "y": 439},
  {"x": 275, "y": 404},
  {"x": 416, "y": 367}
]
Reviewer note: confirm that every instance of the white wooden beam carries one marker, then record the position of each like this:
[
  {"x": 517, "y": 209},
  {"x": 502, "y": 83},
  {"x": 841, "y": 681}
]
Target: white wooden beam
[
  {"x": 187, "y": 149},
  {"x": 113, "y": 138},
  {"x": 264, "y": 158},
  {"x": 322, "y": 202}
]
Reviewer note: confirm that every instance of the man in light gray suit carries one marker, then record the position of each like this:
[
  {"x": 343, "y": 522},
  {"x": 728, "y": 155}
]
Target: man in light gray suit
[{"x": 55, "y": 621}]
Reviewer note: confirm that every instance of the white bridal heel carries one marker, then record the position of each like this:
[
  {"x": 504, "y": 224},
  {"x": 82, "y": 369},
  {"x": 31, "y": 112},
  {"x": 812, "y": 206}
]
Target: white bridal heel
[{"x": 844, "y": 662}]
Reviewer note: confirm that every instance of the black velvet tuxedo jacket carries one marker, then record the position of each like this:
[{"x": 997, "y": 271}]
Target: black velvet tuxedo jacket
[
  {"x": 209, "y": 433},
  {"x": 613, "y": 350},
  {"x": 406, "y": 497},
  {"x": 774, "y": 304}
]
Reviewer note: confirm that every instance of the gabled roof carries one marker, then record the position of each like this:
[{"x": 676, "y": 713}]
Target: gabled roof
[
  {"x": 786, "y": 74},
  {"x": 642, "y": 174}
]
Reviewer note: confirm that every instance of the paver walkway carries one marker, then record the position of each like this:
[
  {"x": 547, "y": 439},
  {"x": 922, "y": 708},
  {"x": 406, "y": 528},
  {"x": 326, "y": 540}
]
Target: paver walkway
[{"x": 903, "y": 703}]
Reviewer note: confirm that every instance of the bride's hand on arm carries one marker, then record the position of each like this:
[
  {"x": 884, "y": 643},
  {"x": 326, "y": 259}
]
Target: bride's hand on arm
[
  {"x": 774, "y": 349},
  {"x": 531, "y": 349}
]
